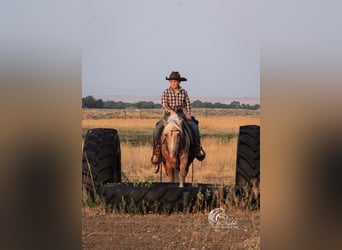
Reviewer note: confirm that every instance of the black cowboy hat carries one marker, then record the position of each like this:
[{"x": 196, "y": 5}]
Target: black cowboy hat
[{"x": 176, "y": 76}]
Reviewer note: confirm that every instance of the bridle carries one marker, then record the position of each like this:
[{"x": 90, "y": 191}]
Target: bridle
[{"x": 178, "y": 140}]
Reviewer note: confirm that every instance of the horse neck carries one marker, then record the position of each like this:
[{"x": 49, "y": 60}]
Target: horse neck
[{"x": 172, "y": 145}]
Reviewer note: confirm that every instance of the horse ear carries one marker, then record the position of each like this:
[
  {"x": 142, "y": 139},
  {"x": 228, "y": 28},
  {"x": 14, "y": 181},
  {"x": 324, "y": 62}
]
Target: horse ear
[
  {"x": 179, "y": 122},
  {"x": 164, "y": 122}
]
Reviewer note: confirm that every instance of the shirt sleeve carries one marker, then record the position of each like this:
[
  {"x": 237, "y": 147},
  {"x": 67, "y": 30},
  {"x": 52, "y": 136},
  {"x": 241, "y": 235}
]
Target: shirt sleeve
[
  {"x": 164, "y": 101},
  {"x": 187, "y": 103}
]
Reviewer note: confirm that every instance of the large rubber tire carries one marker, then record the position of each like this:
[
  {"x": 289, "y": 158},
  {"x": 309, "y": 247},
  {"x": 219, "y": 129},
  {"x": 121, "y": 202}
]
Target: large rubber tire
[
  {"x": 248, "y": 156},
  {"x": 101, "y": 160},
  {"x": 161, "y": 197}
]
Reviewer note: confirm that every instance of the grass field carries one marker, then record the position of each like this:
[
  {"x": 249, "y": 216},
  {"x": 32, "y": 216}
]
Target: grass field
[{"x": 219, "y": 130}]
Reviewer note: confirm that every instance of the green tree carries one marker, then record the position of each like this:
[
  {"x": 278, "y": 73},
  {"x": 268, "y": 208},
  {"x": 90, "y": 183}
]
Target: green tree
[
  {"x": 234, "y": 105},
  {"x": 99, "y": 104},
  {"x": 197, "y": 104},
  {"x": 88, "y": 102},
  {"x": 144, "y": 105}
]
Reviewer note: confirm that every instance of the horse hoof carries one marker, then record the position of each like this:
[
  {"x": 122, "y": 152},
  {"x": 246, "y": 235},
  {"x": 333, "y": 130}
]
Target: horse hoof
[{"x": 181, "y": 186}]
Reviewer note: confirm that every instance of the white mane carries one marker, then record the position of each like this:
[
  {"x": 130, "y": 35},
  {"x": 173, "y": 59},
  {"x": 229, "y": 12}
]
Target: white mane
[
  {"x": 173, "y": 121},
  {"x": 173, "y": 118}
]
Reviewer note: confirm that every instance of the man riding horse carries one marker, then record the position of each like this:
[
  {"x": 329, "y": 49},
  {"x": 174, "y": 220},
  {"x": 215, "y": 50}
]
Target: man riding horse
[{"x": 174, "y": 100}]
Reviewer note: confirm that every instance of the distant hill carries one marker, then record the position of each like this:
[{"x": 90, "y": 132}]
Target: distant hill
[{"x": 156, "y": 99}]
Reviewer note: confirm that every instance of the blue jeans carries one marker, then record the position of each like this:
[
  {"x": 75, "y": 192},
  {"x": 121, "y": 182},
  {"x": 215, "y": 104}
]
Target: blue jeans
[{"x": 158, "y": 130}]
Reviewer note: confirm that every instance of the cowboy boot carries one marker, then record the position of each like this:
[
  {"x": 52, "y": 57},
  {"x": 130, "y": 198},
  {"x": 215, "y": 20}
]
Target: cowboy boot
[
  {"x": 156, "y": 156},
  {"x": 200, "y": 154}
]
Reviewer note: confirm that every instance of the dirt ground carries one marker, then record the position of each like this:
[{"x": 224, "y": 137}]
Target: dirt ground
[{"x": 102, "y": 230}]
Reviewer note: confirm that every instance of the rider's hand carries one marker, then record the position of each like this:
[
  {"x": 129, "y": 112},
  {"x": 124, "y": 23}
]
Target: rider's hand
[{"x": 188, "y": 117}]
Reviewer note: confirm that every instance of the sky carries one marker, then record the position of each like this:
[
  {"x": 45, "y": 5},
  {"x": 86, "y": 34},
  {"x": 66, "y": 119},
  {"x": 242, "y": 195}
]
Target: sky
[{"x": 129, "y": 47}]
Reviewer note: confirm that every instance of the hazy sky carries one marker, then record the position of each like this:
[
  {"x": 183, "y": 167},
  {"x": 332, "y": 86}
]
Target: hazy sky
[{"x": 129, "y": 46}]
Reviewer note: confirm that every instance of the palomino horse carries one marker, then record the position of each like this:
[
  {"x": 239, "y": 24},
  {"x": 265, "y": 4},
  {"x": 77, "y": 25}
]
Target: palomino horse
[{"x": 176, "y": 148}]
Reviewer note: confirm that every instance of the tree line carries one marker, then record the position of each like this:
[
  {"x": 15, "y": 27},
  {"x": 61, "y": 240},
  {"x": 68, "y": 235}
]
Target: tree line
[{"x": 91, "y": 102}]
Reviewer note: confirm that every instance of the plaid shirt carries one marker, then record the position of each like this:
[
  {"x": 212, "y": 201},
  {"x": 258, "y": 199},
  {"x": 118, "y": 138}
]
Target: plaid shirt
[{"x": 176, "y": 102}]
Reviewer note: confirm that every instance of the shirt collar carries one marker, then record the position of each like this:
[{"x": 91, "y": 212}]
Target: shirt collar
[{"x": 180, "y": 88}]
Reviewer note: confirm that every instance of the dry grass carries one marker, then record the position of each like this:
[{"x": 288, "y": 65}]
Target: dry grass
[
  {"x": 228, "y": 124},
  {"x": 101, "y": 230},
  {"x": 133, "y": 123},
  {"x": 218, "y": 167},
  {"x": 219, "y": 129}
]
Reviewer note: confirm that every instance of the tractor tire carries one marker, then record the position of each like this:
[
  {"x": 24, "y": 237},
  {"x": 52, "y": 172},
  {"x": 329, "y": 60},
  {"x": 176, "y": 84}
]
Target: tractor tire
[
  {"x": 159, "y": 197},
  {"x": 101, "y": 160},
  {"x": 248, "y": 156}
]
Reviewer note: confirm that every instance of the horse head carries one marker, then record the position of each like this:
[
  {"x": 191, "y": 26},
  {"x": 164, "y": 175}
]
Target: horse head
[{"x": 172, "y": 135}]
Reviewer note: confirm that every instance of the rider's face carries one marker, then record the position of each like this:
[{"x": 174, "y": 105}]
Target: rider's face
[{"x": 174, "y": 84}]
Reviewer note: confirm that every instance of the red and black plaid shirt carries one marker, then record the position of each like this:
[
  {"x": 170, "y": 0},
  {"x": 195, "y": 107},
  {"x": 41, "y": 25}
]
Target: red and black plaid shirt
[{"x": 176, "y": 102}]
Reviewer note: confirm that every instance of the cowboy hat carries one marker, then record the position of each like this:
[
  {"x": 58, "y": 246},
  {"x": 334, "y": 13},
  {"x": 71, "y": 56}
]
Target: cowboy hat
[{"x": 176, "y": 76}]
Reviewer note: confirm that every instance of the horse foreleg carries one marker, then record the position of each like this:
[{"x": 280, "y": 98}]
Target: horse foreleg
[
  {"x": 169, "y": 172},
  {"x": 181, "y": 181},
  {"x": 182, "y": 173}
]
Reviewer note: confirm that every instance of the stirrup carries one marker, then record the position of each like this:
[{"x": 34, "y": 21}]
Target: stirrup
[
  {"x": 155, "y": 159},
  {"x": 200, "y": 155}
]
